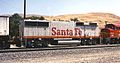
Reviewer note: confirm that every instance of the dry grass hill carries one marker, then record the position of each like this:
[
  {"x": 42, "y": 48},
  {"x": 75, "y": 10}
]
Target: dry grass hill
[{"x": 100, "y": 18}]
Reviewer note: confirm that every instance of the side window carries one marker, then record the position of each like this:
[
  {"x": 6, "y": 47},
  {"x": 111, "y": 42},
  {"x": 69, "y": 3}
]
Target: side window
[
  {"x": 79, "y": 24},
  {"x": 38, "y": 24},
  {"x": 43, "y": 24},
  {"x": 28, "y": 23},
  {"x": 93, "y": 24}
]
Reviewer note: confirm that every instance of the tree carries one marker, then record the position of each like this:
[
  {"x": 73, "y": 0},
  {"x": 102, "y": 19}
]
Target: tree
[
  {"x": 32, "y": 18},
  {"x": 14, "y": 24},
  {"x": 74, "y": 19},
  {"x": 41, "y": 18},
  {"x": 54, "y": 20},
  {"x": 35, "y": 17}
]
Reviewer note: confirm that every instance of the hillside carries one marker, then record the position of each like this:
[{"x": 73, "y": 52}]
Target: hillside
[{"x": 89, "y": 17}]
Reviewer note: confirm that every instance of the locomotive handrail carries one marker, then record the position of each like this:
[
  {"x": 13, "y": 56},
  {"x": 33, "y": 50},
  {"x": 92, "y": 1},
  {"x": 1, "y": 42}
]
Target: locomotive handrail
[{"x": 60, "y": 37}]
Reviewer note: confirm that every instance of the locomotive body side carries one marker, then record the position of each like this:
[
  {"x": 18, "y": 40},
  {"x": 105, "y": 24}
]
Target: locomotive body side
[
  {"x": 34, "y": 32},
  {"x": 90, "y": 33},
  {"x": 48, "y": 32},
  {"x": 36, "y": 28}
]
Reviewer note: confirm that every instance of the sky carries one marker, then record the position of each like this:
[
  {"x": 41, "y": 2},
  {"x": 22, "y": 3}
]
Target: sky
[{"x": 60, "y": 7}]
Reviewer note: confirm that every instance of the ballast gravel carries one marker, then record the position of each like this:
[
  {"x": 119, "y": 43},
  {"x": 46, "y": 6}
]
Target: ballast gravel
[{"x": 91, "y": 55}]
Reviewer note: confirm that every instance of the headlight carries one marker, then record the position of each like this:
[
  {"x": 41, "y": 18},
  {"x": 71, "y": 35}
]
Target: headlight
[{"x": 112, "y": 35}]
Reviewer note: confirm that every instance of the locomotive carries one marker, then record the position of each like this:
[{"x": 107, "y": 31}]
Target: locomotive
[
  {"x": 111, "y": 34},
  {"x": 37, "y": 33},
  {"x": 42, "y": 33}
]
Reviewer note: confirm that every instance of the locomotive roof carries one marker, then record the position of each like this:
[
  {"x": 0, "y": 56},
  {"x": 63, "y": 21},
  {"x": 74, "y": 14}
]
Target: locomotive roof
[
  {"x": 44, "y": 20},
  {"x": 34, "y": 20},
  {"x": 117, "y": 25},
  {"x": 3, "y": 16},
  {"x": 84, "y": 23}
]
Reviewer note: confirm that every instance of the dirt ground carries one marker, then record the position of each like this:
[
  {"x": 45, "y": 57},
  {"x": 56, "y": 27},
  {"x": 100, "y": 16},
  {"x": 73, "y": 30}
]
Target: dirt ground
[{"x": 76, "y": 56}]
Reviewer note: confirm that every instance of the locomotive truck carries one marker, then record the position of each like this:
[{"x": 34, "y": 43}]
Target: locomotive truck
[{"x": 41, "y": 33}]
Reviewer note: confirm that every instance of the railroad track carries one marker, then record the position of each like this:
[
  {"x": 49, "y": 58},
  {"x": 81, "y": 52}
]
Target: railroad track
[{"x": 56, "y": 48}]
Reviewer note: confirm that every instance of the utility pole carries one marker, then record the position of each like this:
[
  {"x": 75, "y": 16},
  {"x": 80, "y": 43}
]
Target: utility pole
[
  {"x": 24, "y": 9},
  {"x": 23, "y": 20}
]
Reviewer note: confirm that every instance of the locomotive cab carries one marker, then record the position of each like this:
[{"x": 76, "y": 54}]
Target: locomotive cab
[
  {"x": 105, "y": 34},
  {"x": 111, "y": 34}
]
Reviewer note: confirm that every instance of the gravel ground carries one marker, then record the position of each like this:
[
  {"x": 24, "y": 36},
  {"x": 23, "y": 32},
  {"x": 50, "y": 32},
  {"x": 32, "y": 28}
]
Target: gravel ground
[{"x": 93, "y": 55}]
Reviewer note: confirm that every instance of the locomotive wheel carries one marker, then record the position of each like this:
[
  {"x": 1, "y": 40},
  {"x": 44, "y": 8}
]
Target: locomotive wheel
[
  {"x": 45, "y": 44},
  {"x": 4, "y": 45},
  {"x": 91, "y": 42},
  {"x": 82, "y": 42},
  {"x": 0, "y": 45},
  {"x": 94, "y": 42},
  {"x": 42, "y": 43},
  {"x": 7, "y": 45}
]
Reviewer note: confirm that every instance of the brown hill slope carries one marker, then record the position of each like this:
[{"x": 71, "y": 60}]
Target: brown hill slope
[{"x": 89, "y": 17}]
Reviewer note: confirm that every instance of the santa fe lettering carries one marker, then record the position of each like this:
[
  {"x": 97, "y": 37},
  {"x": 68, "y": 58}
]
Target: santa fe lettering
[{"x": 76, "y": 32}]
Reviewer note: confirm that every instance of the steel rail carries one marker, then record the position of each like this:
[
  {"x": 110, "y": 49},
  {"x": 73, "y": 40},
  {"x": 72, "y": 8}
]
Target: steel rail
[{"x": 55, "y": 48}]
